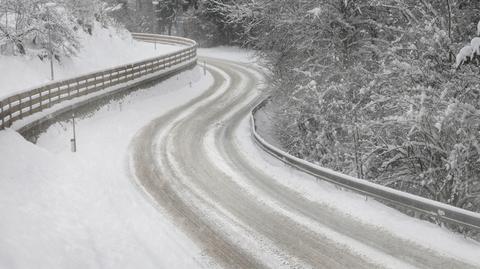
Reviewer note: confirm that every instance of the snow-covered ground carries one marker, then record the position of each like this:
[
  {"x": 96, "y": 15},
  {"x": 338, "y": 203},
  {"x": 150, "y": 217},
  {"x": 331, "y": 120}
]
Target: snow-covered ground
[
  {"x": 64, "y": 210},
  {"x": 106, "y": 48}
]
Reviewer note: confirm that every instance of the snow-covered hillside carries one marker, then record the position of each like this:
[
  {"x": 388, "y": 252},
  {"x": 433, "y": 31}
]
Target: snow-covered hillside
[{"x": 105, "y": 48}]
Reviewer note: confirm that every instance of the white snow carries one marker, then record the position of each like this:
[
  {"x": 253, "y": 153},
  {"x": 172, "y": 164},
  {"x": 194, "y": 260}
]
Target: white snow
[
  {"x": 17, "y": 125},
  {"x": 65, "y": 210},
  {"x": 231, "y": 227},
  {"x": 315, "y": 12},
  {"x": 107, "y": 47},
  {"x": 475, "y": 44},
  {"x": 344, "y": 241},
  {"x": 115, "y": 8},
  {"x": 371, "y": 212}
]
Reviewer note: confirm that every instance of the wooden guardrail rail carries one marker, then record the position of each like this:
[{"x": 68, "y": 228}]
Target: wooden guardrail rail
[
  {"x": 440, "y": 211},
  {"x": 24, "y": 104}
]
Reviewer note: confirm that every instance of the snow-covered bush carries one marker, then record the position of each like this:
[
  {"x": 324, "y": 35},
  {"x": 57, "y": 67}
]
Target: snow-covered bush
[
  {"x": 469, "y": 52},
  {"x": 475, "y": 44},
  {"x": 465, "y": 55},
  {"x": 432, "y": 149}
]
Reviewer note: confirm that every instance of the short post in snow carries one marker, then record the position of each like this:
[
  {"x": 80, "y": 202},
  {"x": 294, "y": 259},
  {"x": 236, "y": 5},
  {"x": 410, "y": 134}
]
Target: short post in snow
[
  {"x": 155, "y": 42},
  {"x": 204, "y": 68},
  {"x": 73, "y": 141},
  {"x": 190, "y": 84}
]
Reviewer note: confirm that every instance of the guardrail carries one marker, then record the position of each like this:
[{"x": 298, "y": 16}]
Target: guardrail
[
  {"x": 32, "y": 101},
  {"x": 441, "y": 211}
]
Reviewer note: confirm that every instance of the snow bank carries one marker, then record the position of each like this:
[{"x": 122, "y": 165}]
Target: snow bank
[
  {"x": 64, "y": 210},
  {"x": 107, "y": 47}
]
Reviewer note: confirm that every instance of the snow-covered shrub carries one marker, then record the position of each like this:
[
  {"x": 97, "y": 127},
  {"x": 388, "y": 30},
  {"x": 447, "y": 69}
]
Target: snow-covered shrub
[
  {"x": 469, "y": 52},
  {"x": 475, "y": 44},
  {"x": 433, "y": 149},
  {"x": 464, "y": 56}
]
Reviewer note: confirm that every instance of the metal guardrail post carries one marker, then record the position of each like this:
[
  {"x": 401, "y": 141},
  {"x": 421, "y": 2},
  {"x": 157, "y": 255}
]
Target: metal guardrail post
[
  {"x": 20, "y": 107},
  {"x": 31, "y": 104},
  {"x": 10, "y": 112}
]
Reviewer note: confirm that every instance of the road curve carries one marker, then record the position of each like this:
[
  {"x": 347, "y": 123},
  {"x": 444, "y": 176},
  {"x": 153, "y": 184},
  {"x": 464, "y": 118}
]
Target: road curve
[{"x": 190, "y": 165}]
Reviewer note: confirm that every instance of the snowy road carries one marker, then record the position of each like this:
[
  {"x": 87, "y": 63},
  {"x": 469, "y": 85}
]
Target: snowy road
[{"x": 194, "y": 165}]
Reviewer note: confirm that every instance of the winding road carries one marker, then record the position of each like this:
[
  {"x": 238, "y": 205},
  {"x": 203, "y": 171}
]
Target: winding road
[{"x": 191, "y": 165}]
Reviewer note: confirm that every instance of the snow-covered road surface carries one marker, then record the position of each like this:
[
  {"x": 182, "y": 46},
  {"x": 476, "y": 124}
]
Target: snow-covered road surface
[{"x": 195, "y": 164}]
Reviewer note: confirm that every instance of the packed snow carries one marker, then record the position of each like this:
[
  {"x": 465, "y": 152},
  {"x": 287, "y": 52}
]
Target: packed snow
[{"x": 105, "y": 48}]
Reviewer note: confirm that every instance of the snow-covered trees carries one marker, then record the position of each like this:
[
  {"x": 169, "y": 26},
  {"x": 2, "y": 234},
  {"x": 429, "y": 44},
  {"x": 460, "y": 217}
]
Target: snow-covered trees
[
  {"x": 29, "y": 25},
  {"x": 197, "y": 19},
  {"x": 37, "y": 27}
]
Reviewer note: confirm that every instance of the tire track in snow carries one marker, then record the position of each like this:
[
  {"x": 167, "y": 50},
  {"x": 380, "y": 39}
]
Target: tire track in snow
[{"x": 203, "y": 195}]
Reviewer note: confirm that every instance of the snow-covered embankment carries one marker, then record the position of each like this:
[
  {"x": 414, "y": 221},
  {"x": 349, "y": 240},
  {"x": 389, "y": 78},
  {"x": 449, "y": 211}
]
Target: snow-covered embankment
[{"x": 65, "y": 210}]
